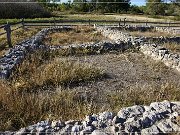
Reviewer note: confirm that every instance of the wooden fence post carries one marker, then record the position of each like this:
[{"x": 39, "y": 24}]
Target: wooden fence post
[
  {"x": 54, "y": 22},
  {"x": 146, "y": 22},
  {"x": 22, "y": 22},
  {"x": 124, "y": 21},
  {"x": 119, "y": 22},
  {"x": 7, "y": 28}
]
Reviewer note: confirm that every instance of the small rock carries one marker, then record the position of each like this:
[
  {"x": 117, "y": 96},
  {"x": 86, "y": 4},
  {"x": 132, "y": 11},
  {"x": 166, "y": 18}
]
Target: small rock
[
  {"x": 130, "y": 112},
  {"x": 21, "y": 131},
  {"x": 98, "y": 132},
  {"x": 105, "y": 116},
  {"x": 165, "y": 127},
  {"x": 153, "y": 130},
  {"x": 116, "y": 120},
  {"x": 162, "y": 107},
  {"x": 95, "y": 123}
]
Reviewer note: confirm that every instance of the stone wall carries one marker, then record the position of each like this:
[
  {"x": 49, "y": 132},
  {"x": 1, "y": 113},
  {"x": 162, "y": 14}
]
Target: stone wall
[
  {"x": 116, "y": 33},
  {"x": 17, "y": 54},
  {"x": 157, "y": 118},
  {"x": 121, "y": 41},
  {"x": 158, "y": 53},
  {"x": 152, "y": 50},
  {"x": 118, "y": 36},
  {"x": 170, "y": 30},
  {"x": 135, "y": 27}
]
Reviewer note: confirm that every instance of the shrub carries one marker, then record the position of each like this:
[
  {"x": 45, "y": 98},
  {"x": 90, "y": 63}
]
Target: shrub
[{"x": 22, "y": 10}]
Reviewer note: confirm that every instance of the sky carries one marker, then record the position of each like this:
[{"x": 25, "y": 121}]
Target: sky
[
  {"x": 138, "y": 2},
  {"x": 133, "y": 2}
]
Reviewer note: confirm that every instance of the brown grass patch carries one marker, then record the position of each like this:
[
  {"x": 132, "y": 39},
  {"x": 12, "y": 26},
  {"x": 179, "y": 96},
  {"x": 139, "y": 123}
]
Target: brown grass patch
[
  {"x": 174, "y": 47},
  {"x": 152, "y": 33},
  {"x": 40, "y": 69},
  {"x": 76, "y": 36},
  {"x": 21, "y": 109},
  {"x": 138, "y": 95},
  {"x": 27, "y": 91}
]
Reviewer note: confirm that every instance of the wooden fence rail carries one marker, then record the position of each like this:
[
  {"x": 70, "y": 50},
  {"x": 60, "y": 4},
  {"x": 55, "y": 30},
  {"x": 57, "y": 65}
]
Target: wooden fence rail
[
  {"x": 124, "y": 21},
  {"x": 8, "y": 27}
]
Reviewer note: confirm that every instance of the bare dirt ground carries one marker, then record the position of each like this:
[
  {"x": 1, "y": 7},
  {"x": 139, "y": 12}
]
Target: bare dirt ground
[{"x": 130, "y": 70}]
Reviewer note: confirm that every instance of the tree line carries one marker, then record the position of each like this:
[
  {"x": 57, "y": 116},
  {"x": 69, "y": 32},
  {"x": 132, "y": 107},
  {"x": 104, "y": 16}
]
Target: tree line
[
  {"x": 22, "y": 9},
  {"x": 160, "y": 7},
  {"x": 152, "y": 7},
  {"x": 43, "y": 8}
]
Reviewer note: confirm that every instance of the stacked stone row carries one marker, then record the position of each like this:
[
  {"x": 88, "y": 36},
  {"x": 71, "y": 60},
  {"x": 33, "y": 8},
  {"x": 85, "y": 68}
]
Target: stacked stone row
[
  {"x": 159, "y": 117},
  {"x": 156, "y": 52},
  {"x": 116, "y": 33},
  {"x": 99, "y": 47},
  {"x": 162, "y": 39},
  {"x": 169, "y": 30},
  {"x": 16, "y": 55}
]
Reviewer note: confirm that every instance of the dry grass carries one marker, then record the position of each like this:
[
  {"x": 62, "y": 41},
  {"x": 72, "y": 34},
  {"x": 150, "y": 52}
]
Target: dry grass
[
  {"x": 138, "y": 95},
  {"x": 18, "y": 107},
  {"x": 75, "y": 36},
  {"x": 152, "y": 33},
  {"x": 135, "y": 79},
  {"x": 32, "y": 87},
  {"x": 40, "y": 70},
  {"x": 21, "y": 109},
  {"x": 174, "y": 47},
  {"x": 43, "y": 87},
  {"x": 16, "y": 37}
]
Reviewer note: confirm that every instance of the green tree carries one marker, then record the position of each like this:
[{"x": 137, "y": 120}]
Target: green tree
[
  {"x": 136, "y": 9},
  {"x": 80, "y": 5},
  {"x": 155, "y": 7},
  {"x": 112, "y": 6}
]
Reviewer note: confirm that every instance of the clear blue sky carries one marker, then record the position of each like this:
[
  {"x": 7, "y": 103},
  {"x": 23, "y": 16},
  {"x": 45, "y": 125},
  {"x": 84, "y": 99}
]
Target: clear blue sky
[
  {"x": 133, "y": 2},
  {"x": 138, "y": 2}
]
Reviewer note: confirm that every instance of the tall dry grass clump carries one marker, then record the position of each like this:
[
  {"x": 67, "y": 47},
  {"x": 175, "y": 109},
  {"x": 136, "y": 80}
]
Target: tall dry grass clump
[
  {"x": 30, "y": 94},
  {"x": 67, "y": 72},
  {"x": 40, "y": 69},
  {"x": 20, "y": 109}
]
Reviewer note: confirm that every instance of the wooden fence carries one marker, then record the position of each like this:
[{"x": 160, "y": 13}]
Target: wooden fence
[
  {"x": 8, "y": 30},
  {"x": 23, "y": 23}
]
